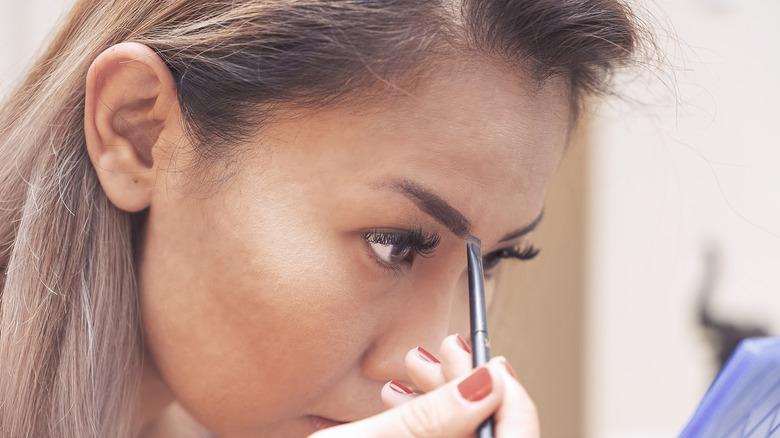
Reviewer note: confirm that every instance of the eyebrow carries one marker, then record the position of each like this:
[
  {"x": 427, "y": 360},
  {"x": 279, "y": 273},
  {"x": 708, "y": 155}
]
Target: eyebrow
[
  {"x": 444, "y": 213},
  {"x": 434, "y": 206}
]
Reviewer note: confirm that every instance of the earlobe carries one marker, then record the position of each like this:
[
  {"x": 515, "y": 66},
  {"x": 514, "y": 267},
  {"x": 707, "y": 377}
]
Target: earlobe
[{"x": 130, "y": 102}]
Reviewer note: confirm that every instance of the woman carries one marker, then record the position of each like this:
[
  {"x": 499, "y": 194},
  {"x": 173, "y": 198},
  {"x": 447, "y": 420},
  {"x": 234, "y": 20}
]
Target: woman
[{"x": 244, "y": 217}]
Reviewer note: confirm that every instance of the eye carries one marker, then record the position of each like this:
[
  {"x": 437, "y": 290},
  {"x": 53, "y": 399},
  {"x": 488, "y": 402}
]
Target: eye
[
  {"x": 396, "y": 248},
  {"x": 388, "y": 251},
  {"x": 492, "y": 260}
]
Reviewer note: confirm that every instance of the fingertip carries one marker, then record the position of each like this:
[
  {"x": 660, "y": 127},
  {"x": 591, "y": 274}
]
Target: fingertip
[
  {"x": 517, "y": 415},
  {"x": 398, "y": 388},
  {"x": 490, "y": 376},
  {"x": 462, "y": 343},
  {"x": 424, "y": 369},
  {"x": 420, "y": 355},
  {"x": 456, "y": 343},
  {"x": 395, "y": 393},
  {"x": 507, "y": 367},
  {"x": 447, "y": 411},
  {"x": 455, "y": 359},
  {"x": 477, "y": 385}
]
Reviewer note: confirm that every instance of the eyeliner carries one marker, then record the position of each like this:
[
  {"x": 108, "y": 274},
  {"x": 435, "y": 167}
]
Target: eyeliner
[{"x": 480, "y": 343}]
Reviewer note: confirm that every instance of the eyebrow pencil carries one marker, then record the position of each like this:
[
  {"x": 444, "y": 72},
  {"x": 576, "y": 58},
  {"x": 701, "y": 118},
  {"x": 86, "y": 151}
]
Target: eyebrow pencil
[{"x": 480, "y": 343}]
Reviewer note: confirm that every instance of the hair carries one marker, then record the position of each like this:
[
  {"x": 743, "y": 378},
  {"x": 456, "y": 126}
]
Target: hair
[{"x": 70, "y": 327}]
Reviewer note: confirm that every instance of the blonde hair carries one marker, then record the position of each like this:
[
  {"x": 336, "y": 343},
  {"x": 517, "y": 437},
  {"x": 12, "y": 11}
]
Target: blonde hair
[{"x": 70, "y": 328}]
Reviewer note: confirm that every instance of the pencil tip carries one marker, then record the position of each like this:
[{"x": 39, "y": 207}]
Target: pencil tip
[{"x": 474, "y": 241}]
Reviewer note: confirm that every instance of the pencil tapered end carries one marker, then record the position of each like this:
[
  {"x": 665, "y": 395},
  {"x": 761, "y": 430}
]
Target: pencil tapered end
[{"x": 474, "y": 241}]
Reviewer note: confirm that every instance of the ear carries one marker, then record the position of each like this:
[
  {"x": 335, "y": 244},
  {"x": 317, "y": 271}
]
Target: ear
[{"x": 130, "y": 101}]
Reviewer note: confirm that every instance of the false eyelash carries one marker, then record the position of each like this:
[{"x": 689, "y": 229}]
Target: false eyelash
[
  {"x": 416, "y": 239},
  {"x": 526, "y": 253}
]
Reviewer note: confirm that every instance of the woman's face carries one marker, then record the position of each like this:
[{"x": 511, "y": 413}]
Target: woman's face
[{"x": 293, "y": 290}]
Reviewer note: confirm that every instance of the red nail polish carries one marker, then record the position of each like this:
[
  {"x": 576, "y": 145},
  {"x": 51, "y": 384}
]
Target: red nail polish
[
  {"x": 401, "y": 389},
  {"x": 463, "y": 344},
  {"x": 510, "y": 370},
  {"x": 477, "y": 386},
  {"x": 428, "y": 357}
]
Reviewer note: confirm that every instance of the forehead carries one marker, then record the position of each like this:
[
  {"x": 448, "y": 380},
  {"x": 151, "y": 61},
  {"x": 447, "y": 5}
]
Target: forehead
[
  {"x": 481, "y": 110},
  {"x": 461, "y": 106},
  {"x": 475, "y": 134}
]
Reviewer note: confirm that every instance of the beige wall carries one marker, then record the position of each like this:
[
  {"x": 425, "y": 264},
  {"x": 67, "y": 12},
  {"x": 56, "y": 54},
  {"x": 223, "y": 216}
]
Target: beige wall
[
  {"x": 538, "y": 317},
  {"x": 667, "y": 181},
  {"x": 23, "y": 26}
]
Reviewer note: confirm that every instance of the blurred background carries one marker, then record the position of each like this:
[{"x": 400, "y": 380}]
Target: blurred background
[{"x": 659, "y": 246}]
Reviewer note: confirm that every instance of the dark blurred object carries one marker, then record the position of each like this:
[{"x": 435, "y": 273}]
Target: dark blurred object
[{"x": 723, "y": 335}]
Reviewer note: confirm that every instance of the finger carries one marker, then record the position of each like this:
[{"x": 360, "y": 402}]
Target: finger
[
  {"x": 517, "y": 417},
  {"x": 395, "y": 394},
  {"x": 453, "y": 410},
  {"x": 455, "y": 357},
  {"x": 424, "y": 369}
]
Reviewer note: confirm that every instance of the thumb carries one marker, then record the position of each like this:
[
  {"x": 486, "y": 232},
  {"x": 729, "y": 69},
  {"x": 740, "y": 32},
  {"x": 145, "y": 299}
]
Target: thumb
[{"x": 455, "y": 409}]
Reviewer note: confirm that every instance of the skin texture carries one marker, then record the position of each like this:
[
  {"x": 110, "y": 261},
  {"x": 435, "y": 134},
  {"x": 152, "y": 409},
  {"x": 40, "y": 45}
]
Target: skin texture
[{"x": 263, "y": 304}]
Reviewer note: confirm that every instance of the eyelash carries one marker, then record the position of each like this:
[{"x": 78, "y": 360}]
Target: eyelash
[
  {"x": 413, "y": 242},
  {"x": 490, "y": 261},
  {"x": 416, "y": 242}
]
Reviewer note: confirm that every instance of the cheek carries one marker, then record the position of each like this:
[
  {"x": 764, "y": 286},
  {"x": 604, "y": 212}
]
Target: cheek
[{"x": 244, "y": 330}]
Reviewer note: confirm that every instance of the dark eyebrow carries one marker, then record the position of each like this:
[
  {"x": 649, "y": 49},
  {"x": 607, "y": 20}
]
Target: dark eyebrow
[
  {"x": 444, "y": 213},
  {"x": 525, "y": 230},
  {"x": 433, "y": 205}
]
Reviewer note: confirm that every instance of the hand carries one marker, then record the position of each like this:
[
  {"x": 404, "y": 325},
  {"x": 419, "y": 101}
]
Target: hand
[{"x": 456, "y": 401}]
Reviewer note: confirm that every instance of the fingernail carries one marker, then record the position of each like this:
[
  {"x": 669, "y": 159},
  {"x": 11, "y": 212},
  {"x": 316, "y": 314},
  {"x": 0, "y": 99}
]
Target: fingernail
[
  {"x": 463, "y": 344},
  {"x": 401, "y": 389},
  {"x": 476, "y": 386},
  {"x": 428, "y": 357},
  {"x": 510, "y": 370}
]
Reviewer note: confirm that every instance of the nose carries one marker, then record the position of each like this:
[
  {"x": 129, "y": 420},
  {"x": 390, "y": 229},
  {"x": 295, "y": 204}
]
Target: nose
[{"x": 434, "y": 307}]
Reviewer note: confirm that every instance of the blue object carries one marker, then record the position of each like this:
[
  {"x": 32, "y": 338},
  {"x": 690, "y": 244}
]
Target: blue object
[{"x": 744, "y": 400}]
